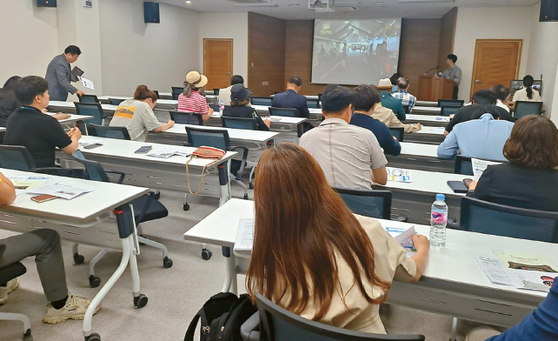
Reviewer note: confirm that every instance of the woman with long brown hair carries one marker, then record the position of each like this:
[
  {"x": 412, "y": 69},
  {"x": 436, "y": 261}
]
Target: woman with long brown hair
[
  {"x": 529, "y": 179},
  {"x": 312, "y": 255}
]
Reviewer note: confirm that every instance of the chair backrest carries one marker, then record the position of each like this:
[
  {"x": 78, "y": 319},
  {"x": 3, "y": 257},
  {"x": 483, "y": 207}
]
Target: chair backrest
[
  {"x": 370, "y": 203},
  {"x": 120, "y": 133},
  {"x": 115, "y": 101},
  {"x": 463, "y": 165},
  {"x": 183, "y": 117},
  {"x": 93, "y": 169},
  {"x": 449, "y": 110},
  {"x": 178, "y": 89},
  {"x": 261, "y": 101},
  {"x": 16, "y": 157},
  {"x": 239, "y": 122},
  {"x": 313, "y": 103},
  {"x": 525, "y": 108},
  {"x": 278, "y": 324},
  {"x": 289, "y": 112},
  {"x": 407, "y": 110},
  {"x": 215, "y": 107},
  {"x": 399, "y": 133},
  {"x": 88, "y": 99},
  {"x": 91, "y": 109},
  {"x": 156, "y": 93},
  {"x": 217, "y": 138},
  {"x": 502, "y": 220},
  {"x": 450, "y": 103},
  {"x": 216, "y": 92},
  {"x": 175, "y": 95}
]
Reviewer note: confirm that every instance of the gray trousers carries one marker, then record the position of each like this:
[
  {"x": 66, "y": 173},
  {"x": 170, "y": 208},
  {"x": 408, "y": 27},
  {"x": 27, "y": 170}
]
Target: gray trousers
[{"x": 44, "y": 244}]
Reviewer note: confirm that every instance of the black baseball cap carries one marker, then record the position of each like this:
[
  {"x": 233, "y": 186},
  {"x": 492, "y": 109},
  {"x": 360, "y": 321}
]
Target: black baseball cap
[{"x": 239, "y": 93}]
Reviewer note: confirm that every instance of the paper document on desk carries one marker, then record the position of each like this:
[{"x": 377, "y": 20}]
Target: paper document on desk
[
  {"x": 399, "y": 175},
  {"x": 494, "y": 270},
  {"x": 479, "y": 166},
  {"x": 403, "y": 236},
  {"x": 85, "y": 143},
  {"x": 525, "y": 262},
  {"x": 532, "y": 280},
  {"x": 244, "y": 236},
  {"x": 167, "y": 152},
  {"x": 60, "y": 190},
  {"x": 24, "y": 183}
]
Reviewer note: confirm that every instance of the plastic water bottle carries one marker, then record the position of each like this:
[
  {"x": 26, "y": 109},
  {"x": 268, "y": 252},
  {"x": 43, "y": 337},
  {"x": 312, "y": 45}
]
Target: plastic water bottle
[
  {"x": 438, "y": 221},
  {"x": 221, "y": 107}
]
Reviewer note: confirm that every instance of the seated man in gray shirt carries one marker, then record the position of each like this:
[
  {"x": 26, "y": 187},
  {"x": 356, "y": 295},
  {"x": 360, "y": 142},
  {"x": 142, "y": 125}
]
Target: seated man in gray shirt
[{"x": 350, "y": 156}]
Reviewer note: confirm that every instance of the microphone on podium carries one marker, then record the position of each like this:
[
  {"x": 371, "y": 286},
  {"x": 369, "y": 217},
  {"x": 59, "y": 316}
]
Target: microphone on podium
[{"x": 434, "y": 68}]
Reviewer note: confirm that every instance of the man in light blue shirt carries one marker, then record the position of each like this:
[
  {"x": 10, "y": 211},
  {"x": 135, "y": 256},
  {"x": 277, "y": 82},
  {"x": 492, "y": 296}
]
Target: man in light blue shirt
[{"x": 482, "y": 138}]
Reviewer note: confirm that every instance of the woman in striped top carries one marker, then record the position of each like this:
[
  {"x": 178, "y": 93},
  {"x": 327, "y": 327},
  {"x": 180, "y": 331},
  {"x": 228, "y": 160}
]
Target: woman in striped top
[{"x": 191, "y": 100}]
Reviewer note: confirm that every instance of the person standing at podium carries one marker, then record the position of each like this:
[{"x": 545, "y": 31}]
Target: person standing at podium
[{"x": 454, "y": 73}]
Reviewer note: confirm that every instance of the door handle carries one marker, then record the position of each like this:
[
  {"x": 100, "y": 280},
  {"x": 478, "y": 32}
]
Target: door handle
[
  {"x": 477, "y": 81},
  {"x": 228, "y": 73}
]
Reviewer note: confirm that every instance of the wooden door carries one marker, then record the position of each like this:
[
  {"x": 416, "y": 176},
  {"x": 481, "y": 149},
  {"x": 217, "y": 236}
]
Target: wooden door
[
  {"x": 496, "y": 62},
  {"x": 217, "y": 62}
]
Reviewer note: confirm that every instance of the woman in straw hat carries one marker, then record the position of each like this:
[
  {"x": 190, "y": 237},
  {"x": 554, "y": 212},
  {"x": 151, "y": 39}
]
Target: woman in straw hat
[{"x": 191, "y": 100}]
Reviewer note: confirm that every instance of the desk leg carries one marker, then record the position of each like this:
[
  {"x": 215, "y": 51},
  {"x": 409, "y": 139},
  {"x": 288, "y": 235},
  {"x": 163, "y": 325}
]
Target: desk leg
[
  {"x": 230, "y": 271},
  {"x": 224, "y": 183}
]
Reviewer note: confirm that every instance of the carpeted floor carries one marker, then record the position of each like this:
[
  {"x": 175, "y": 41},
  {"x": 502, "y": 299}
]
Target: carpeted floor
[{"x": 175, "y": 294}]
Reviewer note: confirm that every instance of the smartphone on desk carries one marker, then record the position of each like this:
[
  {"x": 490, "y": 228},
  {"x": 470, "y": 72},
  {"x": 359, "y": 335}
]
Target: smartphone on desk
[
  {"x": 92, "y": 146},
  {"x": 143, "y": 150},
  {"x": 457, "y": 187},
  {"x": 43, "y": 198}
]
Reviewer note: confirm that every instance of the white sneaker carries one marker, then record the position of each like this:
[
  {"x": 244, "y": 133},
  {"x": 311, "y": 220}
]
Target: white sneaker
[
  {"x": 10, "y": 287},
  {"x": 75, "y": 309}
]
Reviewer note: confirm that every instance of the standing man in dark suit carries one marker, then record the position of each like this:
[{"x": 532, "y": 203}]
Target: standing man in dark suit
[
  {"x": 59, "y": 75},
  {"x": 291, "y": 98}
]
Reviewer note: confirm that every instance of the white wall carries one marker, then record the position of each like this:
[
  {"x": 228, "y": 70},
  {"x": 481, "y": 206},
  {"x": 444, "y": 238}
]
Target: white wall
[
  {"x": 133, "y": 53},
  {"x": 514, "y": 22},
  {"x": 227, "y": 25},
  {"x": 543, "y": 58},
  {"x": 29, "y": 38}
]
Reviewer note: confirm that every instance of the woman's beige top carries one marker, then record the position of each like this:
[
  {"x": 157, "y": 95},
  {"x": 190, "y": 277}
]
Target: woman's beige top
[
  {"x": 521, "y": 95},
  {"x": 391, "y": 262}
]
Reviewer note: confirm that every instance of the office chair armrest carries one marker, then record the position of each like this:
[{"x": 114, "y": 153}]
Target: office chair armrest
[
  {"x": 244, "y": 157},
  {"x": 185, "y": 144},
  {"x": 121, "y": 175},
  {"x": 67, "y": 172},
  {"x": 452, "y": 224}
]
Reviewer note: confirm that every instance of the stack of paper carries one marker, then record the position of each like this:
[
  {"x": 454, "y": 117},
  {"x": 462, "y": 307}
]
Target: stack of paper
[
  {"x": 23, "y": 184},
  {"x": 167, "y": 152},
  {"x": 60, "y": 190}
]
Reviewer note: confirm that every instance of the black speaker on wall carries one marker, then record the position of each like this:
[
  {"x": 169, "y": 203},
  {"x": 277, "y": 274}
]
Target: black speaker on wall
[
  {"x": 46, "y": 3},
  {"x": 151, "y": 13},
  {"x": 549, "y": 10}
]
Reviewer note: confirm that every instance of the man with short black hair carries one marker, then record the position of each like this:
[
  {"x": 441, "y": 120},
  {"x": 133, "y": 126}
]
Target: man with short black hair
[
  {"x": 225, "y": 93},
  {"x": 350, "y": 156},
  {"x": 483, "y": 100},
  {"x": 366, "y": 99},
  {"x": 403, "y": 94},
  {"x": 502, "y": 93},
  {"x": 28, "y": 126},
  {"x": 59, "y": 75},
  {"x": 454, "y": 73},
  {"x": 291, "y": 98}
]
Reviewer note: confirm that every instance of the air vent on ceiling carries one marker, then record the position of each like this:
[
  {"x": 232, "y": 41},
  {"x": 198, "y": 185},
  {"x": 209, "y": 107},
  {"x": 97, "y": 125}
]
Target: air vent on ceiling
[{"x": 249, "y": 1}]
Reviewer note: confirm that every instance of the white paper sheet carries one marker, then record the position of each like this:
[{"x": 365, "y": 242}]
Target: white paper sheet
[
  {"x": 494, "y": 270},
  {"x": 88, "y": 83},
  {"x": 244, "y": 236},
  {"x": 60, "y": 190},
  {"x": 479, "y": 166}
]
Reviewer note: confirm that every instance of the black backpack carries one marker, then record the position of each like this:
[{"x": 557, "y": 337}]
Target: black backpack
[{"x": 221, "y": 317}]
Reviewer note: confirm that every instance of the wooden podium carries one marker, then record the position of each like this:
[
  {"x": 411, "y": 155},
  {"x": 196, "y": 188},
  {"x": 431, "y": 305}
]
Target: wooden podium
[{"x": 433, "y": 88}]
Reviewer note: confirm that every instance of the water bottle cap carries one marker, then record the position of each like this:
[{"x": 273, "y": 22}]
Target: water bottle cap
[{"x": 440, "y": 197}]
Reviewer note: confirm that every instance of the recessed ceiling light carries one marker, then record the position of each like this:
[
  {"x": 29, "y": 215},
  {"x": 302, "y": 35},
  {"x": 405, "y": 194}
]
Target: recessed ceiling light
[{"x": 188, "y": 2}]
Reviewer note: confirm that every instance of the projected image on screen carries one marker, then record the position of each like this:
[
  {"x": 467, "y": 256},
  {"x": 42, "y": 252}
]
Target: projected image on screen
[{"x": 355, "y": 51}]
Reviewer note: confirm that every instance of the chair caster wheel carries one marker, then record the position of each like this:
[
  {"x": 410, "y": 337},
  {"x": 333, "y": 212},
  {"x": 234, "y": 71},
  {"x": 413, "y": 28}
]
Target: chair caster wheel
[
  {"x": 140, "y": 301},
  {"x": 78, "y": 259},
  {"x": 27, "y": 336},
  {"x": 94, "y": 281},
  {"x": 93, "y": 337},
  {"x": 251, "y": 185},
  {"x": 206, "y": 254},
  {"x": 245, "y": 196},
  {"x": 186, "y": 207},
  {"x": 167, "y": 262}
]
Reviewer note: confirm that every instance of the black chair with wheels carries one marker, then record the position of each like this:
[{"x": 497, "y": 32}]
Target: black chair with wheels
[
  {"x": 288, "y": 112},
  {"x": 502, "y": 220},
  {"x": 19, "y": 158},
  {"x": 370, "y": 203},
  {"x": 239, "y": 122},
  {"x": 278, "y": 324},
  {"x": 313, "y": 103},
  {"x": 526, "y": 108},
  {"x": 120, "y": 133},
  {"x": 146, "y": 208},
  {"x": 450, "y": 103},
  {"x": 183, "y": 117},
  {"x": 115, "y": 101},
  {"x": 449, "y": 110},
  {"x": 398, "y": 133},
  {"x": 88, "y": 99},
  {"x": 7, "y": 274},
  {"x": 261, "y": 101},
  {"x": 91, "y": 109}
]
